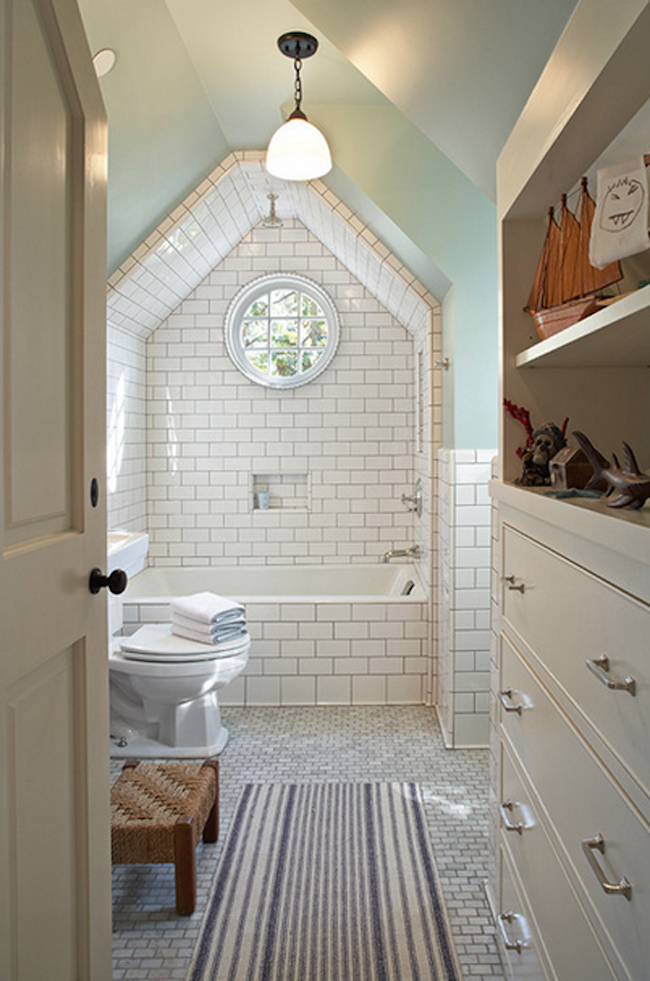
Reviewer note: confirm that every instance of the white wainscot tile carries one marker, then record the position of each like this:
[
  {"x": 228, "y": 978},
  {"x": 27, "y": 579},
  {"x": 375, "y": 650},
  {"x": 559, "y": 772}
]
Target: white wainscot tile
[
  {"x": 350, "y": 665},
  {"x": 234, "y": 693},
  {"x": 471, "y": 730},
  {"x": 473, "y": 473},
  {"x": 263, "y": 691},
  {"x": 472, "y": 558},
  {"x": 315, "y": 631},
  {"x": 334, "y": 691},
  {"x": 386, "y": 665},
  {"x": 280, "y": 666},
  {"x": 369, "y": 691},
  {"x": 351, "y": 631},
  {"x": 473, "y": 515},
  {"x": 298, "y": 691},
  {"x": 471, "y": 681},
  {"x": 406, "y": 690},
  {"x": 471, "y": 599},
  {"x": 280, "y": 631},
  {"x": 472, "y": 640}
]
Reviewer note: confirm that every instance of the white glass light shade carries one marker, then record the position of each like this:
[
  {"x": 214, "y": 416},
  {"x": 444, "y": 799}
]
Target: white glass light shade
[{"x": 298, "y": 152}]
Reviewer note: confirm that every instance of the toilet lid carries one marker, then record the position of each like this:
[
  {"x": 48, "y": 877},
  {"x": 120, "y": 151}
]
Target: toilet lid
[{"x": 156, "y": 642}]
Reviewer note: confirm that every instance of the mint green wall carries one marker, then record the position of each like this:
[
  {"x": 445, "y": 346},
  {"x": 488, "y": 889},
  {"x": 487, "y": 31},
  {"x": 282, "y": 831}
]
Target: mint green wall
[
  {"x": 148, "y": 178},
  {"x": 454, "y": 224}
]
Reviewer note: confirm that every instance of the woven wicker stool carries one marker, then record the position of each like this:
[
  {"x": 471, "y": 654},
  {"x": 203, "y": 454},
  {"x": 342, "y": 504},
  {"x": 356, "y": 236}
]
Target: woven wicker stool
[{"x": 158, "y": 811}]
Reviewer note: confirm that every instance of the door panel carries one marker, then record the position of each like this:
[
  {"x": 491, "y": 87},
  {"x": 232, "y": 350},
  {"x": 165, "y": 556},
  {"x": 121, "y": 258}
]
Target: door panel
[
  {"x": 46, "y": 815},
  {"x": 54, "y": 783},
  {"x": 45, "y": 150}
]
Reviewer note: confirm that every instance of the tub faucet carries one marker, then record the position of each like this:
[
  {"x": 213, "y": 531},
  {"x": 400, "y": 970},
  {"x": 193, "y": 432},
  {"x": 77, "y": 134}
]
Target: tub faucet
[{"x": 399, "y": 553}]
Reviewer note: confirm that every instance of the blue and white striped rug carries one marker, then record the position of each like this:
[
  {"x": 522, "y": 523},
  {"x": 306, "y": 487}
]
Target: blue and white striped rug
[{"x": 326, "y": 882}]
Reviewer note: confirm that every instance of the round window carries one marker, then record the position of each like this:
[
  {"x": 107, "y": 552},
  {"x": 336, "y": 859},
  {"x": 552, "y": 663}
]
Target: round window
[{"x": 282, "y": 331}]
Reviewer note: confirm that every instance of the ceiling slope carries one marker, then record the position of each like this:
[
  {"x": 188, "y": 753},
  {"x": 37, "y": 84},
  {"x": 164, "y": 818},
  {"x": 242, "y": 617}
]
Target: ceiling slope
[{"x": 178, "y": 256}]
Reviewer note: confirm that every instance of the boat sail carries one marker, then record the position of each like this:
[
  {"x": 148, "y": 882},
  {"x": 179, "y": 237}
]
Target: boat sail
[{"x": 566, "y": 285}]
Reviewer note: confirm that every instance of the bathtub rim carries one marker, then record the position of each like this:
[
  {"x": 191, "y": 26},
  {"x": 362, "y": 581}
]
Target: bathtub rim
[{"x": 421, "y": 594}]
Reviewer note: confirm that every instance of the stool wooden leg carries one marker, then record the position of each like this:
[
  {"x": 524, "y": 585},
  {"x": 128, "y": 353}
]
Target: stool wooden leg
[
  {"x": 185, "y": 866},
  {"x": 211, "y": 830}
]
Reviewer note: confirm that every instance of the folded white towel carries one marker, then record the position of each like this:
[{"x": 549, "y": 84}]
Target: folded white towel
[
  {"x": 222, "y": 637},
  {"x": 207, "y": 607},
  {"x": 212, "y": 629}
]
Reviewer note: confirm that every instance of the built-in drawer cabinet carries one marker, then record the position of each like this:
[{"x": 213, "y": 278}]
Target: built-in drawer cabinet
[
  {"x": 591, "y": 637},
  {"x": 602, "y": 838},
  {"x": 576, "y": 951},
  {"x": 515, "y": 939}
]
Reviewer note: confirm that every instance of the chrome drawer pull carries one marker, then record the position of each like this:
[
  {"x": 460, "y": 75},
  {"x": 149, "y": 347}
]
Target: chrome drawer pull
[
  {"x": 505, "y": 697},
  {"x": 520, "y": 826},
  {"x": 510, "y": 917},
  {"x": 600, "y": 665},
  {"x": 516, "y": 587},
  {"x": 597, "y": 843}
]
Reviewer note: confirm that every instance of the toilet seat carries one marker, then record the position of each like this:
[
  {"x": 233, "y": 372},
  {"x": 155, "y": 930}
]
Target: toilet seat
[{"x": 155, "y": 642}]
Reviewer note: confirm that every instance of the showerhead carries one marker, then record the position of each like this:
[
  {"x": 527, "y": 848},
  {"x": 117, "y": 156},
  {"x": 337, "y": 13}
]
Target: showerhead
[{"x": 272, "y": 220}]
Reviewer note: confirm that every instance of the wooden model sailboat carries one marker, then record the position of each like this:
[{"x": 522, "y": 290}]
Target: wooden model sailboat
[{"x": 566, "y": 285}]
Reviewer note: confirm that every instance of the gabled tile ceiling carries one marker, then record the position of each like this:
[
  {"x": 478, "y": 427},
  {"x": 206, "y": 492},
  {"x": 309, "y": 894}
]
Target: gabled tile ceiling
[{"x": 201, "y": 232}]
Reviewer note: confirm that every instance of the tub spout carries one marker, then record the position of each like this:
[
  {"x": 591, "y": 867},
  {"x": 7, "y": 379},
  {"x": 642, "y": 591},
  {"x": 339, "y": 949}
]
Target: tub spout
[{"x": 399, "y": 553}]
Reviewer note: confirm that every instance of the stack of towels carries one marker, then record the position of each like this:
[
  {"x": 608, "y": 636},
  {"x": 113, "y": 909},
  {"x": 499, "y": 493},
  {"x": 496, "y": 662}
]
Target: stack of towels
[{"x": 209, "y": 619}]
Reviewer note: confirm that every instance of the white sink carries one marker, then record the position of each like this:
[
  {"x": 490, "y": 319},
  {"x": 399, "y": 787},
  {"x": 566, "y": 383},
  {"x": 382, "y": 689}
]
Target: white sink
[{"x": 127, "y": 550}]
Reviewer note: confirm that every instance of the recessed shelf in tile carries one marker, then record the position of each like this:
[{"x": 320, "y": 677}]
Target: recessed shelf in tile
[{"x": 281, "y": 492}]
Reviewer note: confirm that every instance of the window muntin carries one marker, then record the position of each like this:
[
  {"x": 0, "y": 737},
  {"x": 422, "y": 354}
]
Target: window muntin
[{"x": 282, "y": 331}]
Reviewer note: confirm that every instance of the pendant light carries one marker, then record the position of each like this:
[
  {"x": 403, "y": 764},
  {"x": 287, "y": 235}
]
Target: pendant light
[{"x": 298, "y": 151}]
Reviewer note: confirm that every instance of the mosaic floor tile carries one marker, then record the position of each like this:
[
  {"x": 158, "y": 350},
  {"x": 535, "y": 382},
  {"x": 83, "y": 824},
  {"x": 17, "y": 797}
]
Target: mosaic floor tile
[{"x": 320, "y": 744}]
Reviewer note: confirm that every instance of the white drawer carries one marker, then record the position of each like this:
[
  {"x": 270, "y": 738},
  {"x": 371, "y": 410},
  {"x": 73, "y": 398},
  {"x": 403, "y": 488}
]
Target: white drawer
[
  {"x": 580, "y": 801},
  {"x": 568, "y": 618},
  {"x": 569, "y": 939},
  {"x": 513, "y": 932}
]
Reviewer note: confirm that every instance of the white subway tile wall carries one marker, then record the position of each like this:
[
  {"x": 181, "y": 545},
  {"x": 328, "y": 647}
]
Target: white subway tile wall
[
  {"x": 196, "y": 440},
  {"x": 328, "y": 653},
  {"x": 350, "y": 433},
  {"x": 126, "y": 476},
  {"x": 464, "y": 638}
]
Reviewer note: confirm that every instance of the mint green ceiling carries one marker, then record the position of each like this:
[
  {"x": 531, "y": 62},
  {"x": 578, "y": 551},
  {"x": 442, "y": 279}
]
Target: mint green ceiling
[
  {"x": 195, "y": 79},
  {"x": 416, "y": 98}
]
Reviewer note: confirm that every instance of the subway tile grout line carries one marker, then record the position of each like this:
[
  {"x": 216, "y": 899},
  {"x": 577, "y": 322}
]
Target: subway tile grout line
[{"x": 319, "y": 745}]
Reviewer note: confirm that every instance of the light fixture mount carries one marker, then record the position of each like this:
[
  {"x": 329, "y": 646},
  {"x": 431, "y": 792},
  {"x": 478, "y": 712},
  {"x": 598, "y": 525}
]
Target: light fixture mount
[{"x": 297, "y": 44}]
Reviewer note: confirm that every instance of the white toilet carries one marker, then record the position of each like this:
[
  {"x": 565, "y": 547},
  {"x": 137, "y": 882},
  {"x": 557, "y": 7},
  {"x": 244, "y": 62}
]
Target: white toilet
[
  {"x": 163, "y": 693},
  {"x": 163, "y": 688}
]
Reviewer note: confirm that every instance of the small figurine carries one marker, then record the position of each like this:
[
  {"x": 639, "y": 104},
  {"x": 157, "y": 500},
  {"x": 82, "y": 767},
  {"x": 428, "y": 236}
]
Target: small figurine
[
  {"x": 547, "y": 441},
  {"x": 633, "y": 486},
  {"x": 542, "y": 445}
]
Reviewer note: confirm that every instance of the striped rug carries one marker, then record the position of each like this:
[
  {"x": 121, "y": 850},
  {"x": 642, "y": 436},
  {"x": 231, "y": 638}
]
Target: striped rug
[{"x": 326, "y": 882}]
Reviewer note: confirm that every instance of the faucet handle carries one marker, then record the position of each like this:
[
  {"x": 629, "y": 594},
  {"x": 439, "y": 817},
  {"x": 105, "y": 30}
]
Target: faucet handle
[{"x": 416, "y": 500}]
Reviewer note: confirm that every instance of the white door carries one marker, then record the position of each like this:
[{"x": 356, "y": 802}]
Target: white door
[{"x": 54, "y": 783}]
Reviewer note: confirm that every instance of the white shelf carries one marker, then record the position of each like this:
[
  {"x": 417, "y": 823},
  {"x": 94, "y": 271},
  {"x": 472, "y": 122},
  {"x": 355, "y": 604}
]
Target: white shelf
[{"x": 616, "y": 336}]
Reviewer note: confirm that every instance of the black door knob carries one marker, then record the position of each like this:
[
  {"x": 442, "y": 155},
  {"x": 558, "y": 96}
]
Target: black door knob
[{"x": 116, "y": 582}]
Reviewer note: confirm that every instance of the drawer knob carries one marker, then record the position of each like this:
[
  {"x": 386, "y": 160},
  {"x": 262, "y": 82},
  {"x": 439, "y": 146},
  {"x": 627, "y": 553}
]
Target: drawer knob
[
  {"x": 505, "y": 697},
  {"x": 510, "y": 917},
  {"x": 597, "y": 844},
  {"x": 508, "y": 824},
  {"x": 599, "y": 666},
  {"x": 517, "y": 587}
]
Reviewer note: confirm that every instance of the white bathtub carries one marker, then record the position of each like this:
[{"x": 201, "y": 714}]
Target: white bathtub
[
  {"x": 321, "y": 635},
  {"x": 281, "y": 583}
]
